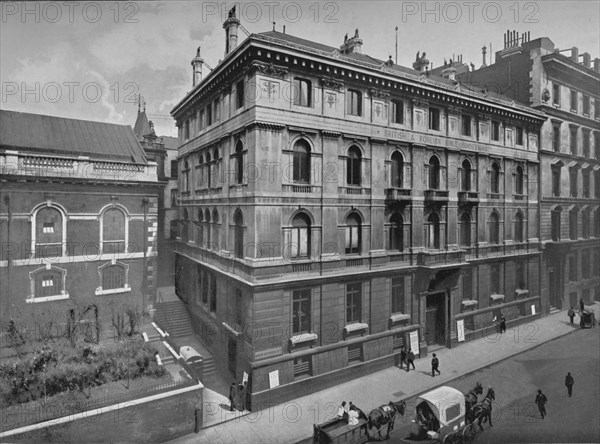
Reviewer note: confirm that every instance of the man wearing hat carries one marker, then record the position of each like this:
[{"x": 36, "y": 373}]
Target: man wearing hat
[{"x": 435, "y": 363}]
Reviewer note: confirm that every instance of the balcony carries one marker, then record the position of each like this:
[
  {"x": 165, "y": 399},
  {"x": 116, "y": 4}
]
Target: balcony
[
  {"x": 434, "y": 258},
  {"x": 468, "y": 198},
  {"x": 398, "y": 194},
  {"x": 354, "y": 190},
  {"x": 298, "y": 188},
  {"x": 439, "y": 196}
]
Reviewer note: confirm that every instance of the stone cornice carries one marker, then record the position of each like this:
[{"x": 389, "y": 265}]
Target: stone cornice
[{"x": 269, "y": 69}]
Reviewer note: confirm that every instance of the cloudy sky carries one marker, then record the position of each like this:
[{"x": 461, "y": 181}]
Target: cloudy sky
[{"x": 90, "y": 60}]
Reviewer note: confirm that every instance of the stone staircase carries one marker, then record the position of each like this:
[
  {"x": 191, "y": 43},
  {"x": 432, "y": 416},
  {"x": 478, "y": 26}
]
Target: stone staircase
[
  {"x": 173, "y": 318},
  {"x": 554, "y": 310}
]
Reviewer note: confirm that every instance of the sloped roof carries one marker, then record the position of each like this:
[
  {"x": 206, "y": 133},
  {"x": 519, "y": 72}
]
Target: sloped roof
[
  {"x": 69, "y": 137},
  {"x": 142, "y": 126},
  {"x": 171, "y": 143}
]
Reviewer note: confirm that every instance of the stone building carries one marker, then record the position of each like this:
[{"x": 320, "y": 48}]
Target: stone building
[
  {"x": 78, "y": 219},
  {"x": 335, "y": 207},
  {"x": 566, "y": 87}
]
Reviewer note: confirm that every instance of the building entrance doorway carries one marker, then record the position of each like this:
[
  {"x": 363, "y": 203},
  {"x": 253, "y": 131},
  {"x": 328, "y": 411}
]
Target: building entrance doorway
[
  {"x": 435, "y": 318},
  {"x": 232, "y": 355},
  {"x": 555, "y": 289}
]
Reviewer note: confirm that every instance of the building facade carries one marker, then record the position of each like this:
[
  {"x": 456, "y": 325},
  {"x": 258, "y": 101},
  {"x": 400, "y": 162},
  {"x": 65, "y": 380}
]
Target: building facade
[
  {"x": 78, "y": 219},
  {"x": 335, "y": 207},
  {"x": 566, "y": 87}
]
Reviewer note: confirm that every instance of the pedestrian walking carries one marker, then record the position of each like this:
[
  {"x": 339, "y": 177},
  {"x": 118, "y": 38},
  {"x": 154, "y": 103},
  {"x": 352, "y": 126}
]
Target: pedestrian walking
[
  {"x": 581, "y": 305},
  {"x": 541, "y": 402},
  {"x": 403, "y": 357},
  {"x": 410, "y": 360},
  {"x": 232, "y": 395},
  {"x": 571, "y": 314},
  {"x": 569, "y": 382},
  {"x": 502, "y": 324},
  {"x": 435, "y": 363}
]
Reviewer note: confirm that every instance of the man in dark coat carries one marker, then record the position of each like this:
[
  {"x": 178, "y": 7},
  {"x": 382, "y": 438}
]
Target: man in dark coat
[
  {"x": 571, "y": 314},
  {"x": 410, "y": 360},
  {"x": 569, "y": 381},
  {"x": 502, "y": 324},
  {"x": 581, "y": 305},
  {"x": 541, "y": 402},
  {"x": 435, "y": 363},
  {"x": 232, "y": 395},
  {"x": 403, "y": 357}
]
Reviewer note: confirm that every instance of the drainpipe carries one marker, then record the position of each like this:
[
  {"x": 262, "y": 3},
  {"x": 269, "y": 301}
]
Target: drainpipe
[{"x": 145, "y": 202}]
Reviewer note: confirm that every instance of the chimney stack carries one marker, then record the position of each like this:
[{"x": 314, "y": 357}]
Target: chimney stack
[
  {"x": 597, "y": 65},
  {"x": 483, "y": 53},
  {"x": 197, "y": 68},
  {"x": 231, "y": 31},
  {"x": 352, "y": 45},
  {"x": 575, "y": 54},
  {"x": 587, "y": 59}
]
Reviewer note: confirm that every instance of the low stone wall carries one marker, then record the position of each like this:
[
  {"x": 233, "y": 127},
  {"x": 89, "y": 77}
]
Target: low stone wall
[{"x": 155, "y": 418}]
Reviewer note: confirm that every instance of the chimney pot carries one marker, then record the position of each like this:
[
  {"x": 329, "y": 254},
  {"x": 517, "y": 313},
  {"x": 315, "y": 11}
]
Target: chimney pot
[{"x": 575, "y": 54}]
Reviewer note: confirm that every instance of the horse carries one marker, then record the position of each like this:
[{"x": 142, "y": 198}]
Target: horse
[
  {"x": 483, "y": 410},
  {"x": 386, "y": 414},
  {"x": 471, "y": 399}
]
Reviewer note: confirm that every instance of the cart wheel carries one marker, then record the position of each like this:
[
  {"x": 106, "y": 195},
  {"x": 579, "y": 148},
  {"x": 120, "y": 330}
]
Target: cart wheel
[
  {"x": 451, "y": 438},
  {"x": 469, "y": 433}
]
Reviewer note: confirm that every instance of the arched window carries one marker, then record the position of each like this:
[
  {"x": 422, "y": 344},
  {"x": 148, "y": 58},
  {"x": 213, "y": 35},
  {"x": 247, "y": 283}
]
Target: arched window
[
  {"x": 301, "y": 162},
  {"x": 207, "y": 228},
  {"x": 47, "y": 282},
  {"x": 465, "y": 229},
  {"x": 353, "y": 234},
  {"x": 432, "y": 231},
  {"x": 239, "y": 163},
  {"x": 597, "y": 223},
  {"x": 495, "y": 178},
  {"x": 353, "y": 166},
  {"x": 397, "y": 232},
  {"x": 48, "y": 233},
  {"x": 397, "y": 170},
  {"x": 494, "y": 228},
  {"x": 555, "y": 223},
  {"x": 300, "y": 237},
  {"x": 216, "y": 237},
  {"x": 113, "y": 276},
  {"x": 238, "y": 222},
  {"x": 585, "y": 223},
  {"x": 519, "y": 227},
  {"x": 434, "y": 173},
  {"x": 217, "y": 167},
  {"x": 465, "y": 176},
  {"x": 114, "y": 231},
  {"x": 200, "y": 228},
  {"x": 519, "y": 180},
  {"x": 200, "y": 172},
  {"x": 185, "y": 226}
]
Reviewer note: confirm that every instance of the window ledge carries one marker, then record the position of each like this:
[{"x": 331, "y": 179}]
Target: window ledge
[
  {"x": 521, "y": 293},
  {"x": 399, "y": 317},
  {"x": 47, "y": 298},
  {"x": 125, "y": 289},
  {"x": 497, "y": 297},
  {"x": 469, "y": 303},
  {"x": 304, "y": 337},
  {"x": 357, "y": 326}
]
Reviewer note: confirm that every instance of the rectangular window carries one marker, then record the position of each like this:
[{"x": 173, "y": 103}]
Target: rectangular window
[
  {"x": 354, "y": 102},
  {"x": 574, "y": 140},
  {"x": 434, "y": 119},
  {"x": 397, "y": 111},
  {"x": 556, "y": 94},
  {"x": 239, "y": 94},
  {"x": 573, "y": 101},
  {"x": 521, "y": 275},
  {"x": 586, "y": 105},
  {"x": 209, "y": 115},
  {"x": 585, "y": 174},
  {"x": 398, "y": 300},
  {"x": 556, "y": 138},
  {"x": 466, "y": 126},
  {"x": 353, "y": 302},
  {"x": 216, "y": 110},
  {"x": 186, "y": 130},
  {"x": 585, "y": 136},
  {"x": 496, "y": 131},
  {"x": 556, "y": 182},
  {"x": 299, "y": 242},
  {"x": 572, "y": 268},
  {"x": 585, "y": 264},
  {"x": 301, "y": 311},
  {"x": 352, "y": 239},
  {"x": 573, "y": 181},
  {"x": 47, "y": 285},
  {"x": 174, "y": 169},
  {"x": 467, "y": 284},
  {"x": 200, "y": 120},
  {"x": 573, "y": 224},
  {"x": 519, "y": 138},
  {"x": 302, "y": 92},
  {"x": 495, "y": 278}
]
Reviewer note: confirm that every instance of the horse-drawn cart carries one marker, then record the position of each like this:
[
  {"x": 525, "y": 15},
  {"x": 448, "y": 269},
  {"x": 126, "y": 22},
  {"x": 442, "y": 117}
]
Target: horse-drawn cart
[
  {"x": 338, "y": 430},
  {"x": 440, "y": 417}
]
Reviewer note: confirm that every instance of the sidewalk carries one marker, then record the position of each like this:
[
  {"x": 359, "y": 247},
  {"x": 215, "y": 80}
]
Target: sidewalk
[{"x": 293, "y": 421}]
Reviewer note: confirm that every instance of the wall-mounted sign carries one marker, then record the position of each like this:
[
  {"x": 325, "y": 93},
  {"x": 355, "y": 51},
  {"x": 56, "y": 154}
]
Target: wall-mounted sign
[
  {"x": 460, "y": 330},
  {"x": 274, "y": 379},
  {"x": 414, "y": 341}
]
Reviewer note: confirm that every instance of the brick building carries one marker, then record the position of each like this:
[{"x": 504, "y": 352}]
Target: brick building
[
  {"x": 332, "y": 205},
  {"x": 78, "y": 218},
  {"x": 566, "y": 87}
]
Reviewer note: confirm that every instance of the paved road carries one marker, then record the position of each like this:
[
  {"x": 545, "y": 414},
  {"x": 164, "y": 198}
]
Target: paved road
[{"x": 516, "y": 418}]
